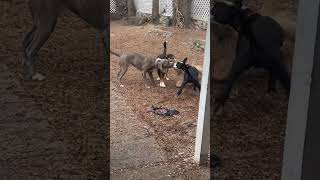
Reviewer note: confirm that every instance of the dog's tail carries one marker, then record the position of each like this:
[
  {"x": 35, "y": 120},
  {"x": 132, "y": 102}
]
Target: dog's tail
[
  {"x": 116, "y": 54},
  {"x": 164, "y": 48}
]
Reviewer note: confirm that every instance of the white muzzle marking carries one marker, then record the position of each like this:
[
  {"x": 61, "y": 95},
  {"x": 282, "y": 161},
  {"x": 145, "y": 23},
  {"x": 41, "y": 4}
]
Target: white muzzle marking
[{"x": 175, "y": 65}]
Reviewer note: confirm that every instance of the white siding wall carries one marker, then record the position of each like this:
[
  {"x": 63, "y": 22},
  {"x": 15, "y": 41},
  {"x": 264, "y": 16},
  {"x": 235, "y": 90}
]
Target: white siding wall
[{"x": 143, "y": 6}]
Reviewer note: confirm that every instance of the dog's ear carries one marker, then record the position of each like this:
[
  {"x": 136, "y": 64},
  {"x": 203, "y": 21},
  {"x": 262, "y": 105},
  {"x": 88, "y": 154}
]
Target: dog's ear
[{"x": 185, "y": 60}]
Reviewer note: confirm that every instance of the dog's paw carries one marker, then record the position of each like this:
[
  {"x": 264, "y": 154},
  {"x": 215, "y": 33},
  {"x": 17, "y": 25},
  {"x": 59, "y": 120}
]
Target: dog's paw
[
  {"x": 219, "y": 112},
  {"x": 158, "y": 79},
  {"x": 38, "y": 77},
  {"x": 162, "y": 84},
  {"x": 218, "y": 106},
  {"x": 167, "y": 79}
]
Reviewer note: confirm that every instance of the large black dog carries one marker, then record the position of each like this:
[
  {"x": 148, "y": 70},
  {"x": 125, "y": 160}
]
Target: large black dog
[{"x": 259, "y": 45}]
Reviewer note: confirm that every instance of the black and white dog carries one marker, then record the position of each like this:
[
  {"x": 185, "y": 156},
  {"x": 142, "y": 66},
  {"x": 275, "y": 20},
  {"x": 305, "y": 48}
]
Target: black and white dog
[
  {"x": 163, "y": 74},
  {"x": 259, "y": 45},
  {"x": 190, "y": 76}
]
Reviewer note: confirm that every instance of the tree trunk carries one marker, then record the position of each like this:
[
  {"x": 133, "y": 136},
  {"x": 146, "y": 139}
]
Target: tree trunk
[
  {"x": 183, "y": 7},
  {"x": 131, "y": 8},
  {"x": 155, "y": 11},
  {"x": 174, "y": 11}
]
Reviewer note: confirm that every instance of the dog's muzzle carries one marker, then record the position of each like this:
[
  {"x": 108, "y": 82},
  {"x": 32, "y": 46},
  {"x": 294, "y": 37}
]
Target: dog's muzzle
[{"x": 175, "y": 66}]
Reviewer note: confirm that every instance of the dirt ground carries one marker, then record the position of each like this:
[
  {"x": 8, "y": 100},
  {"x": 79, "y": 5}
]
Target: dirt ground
[
  {"x": 249, "y": 134},
  {"x": 54, "y": 129},
  {"x": 176, "y": 136}
]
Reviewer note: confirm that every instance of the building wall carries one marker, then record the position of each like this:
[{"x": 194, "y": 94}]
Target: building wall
[{"x": 143, "y": 6}]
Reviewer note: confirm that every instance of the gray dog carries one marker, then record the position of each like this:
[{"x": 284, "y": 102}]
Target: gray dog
[
  {"x": 45, "y": 14},
  {"x": 144, "y": 64}
]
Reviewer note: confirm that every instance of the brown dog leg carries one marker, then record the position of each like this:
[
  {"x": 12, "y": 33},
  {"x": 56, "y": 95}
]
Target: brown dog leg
[
  {"x": 145, "y": 79},
  {"x": 151, "y": 78}
]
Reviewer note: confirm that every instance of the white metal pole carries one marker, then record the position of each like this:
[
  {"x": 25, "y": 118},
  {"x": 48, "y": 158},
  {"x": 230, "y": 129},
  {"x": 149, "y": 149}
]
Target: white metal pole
[
  {"x": 203, "y": 125},
  {"x": 299, "y": 102}
]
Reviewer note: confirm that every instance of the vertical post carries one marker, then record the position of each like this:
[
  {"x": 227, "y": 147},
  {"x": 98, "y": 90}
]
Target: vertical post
[
  {"x": 131, "y": 8},
  {"x": 301, "y": 151},
  {"x": 184, "y": 7},
  {"x": 203, "y": 125},
  {"x": 155, "y": 11}
]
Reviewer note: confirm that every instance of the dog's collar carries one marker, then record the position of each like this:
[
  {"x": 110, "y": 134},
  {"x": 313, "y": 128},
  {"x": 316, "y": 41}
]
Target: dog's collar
[
  {"x": 157, "y": 61},
  {"x": 249, "y": 12}
]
